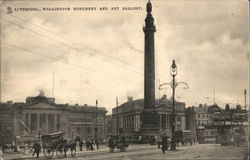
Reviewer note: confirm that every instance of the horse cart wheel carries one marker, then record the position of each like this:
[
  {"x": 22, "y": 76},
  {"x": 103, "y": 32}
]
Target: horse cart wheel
[
  {"x": 60, "y": 150},
  {"x": 48, "y": 153}
]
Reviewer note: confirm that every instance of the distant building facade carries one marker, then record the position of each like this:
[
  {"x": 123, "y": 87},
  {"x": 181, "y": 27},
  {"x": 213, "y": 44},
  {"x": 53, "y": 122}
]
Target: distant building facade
[
  {"x": 197, "y": 118},
  {"x": 126, "y": 118},
  {"x": 41, "y": 115},
  {"x": 211, "y": 124},
  {"x": 227, "y": 124}
]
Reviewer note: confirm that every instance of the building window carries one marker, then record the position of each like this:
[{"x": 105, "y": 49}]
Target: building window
[
  {"x": 178, "y": 127},
  {"x": 88, "y": 130},
  {"x": 78, "y": 130},
  {"x": 178, "y": 118},
  {"x": 207, "y": 133}
]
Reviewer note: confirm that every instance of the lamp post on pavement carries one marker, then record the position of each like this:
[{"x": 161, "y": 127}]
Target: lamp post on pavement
[
  {"x": 173, "y": 84},
  {"x": 173, "y": 73},
  {"x": 96, "y": 120}
]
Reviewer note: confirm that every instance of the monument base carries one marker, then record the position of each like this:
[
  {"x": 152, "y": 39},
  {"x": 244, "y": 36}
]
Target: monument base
[{"x": 149, "y": 119}]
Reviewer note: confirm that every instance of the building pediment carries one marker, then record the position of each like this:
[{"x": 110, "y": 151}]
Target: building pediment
[{"x": 43, "y": 105}]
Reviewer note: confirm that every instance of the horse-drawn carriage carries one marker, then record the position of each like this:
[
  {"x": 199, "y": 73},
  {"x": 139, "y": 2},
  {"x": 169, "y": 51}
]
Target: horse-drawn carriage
[
  {"x": 119, "y": 143},
  {"x": 56, "y": 143}
]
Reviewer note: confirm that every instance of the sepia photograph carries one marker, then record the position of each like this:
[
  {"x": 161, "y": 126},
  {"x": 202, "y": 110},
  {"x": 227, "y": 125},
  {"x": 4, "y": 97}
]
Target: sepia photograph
[{"x": 124, "y": 79}]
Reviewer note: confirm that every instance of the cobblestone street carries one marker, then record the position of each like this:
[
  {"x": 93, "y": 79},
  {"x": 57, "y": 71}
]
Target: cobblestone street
[{"x": 147, "y": 152}]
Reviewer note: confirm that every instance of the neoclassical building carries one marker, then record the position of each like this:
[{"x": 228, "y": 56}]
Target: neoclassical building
[
  {"x": 126, "y": 118},
  {"x": 41, "y": 115}
]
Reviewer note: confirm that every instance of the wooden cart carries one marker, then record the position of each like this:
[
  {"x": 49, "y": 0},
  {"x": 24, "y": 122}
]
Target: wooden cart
[{"x": 54, "y": 143}]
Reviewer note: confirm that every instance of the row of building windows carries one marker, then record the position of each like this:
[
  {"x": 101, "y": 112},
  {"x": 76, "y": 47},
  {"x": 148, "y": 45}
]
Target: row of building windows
[
  {"x": 202, "y": 115},
  {"x": 131, "y": 122},
  {"x": 87, "y": 130},
  {"x": 210, "y": 133},
  {"x": 201, "y": 123}
]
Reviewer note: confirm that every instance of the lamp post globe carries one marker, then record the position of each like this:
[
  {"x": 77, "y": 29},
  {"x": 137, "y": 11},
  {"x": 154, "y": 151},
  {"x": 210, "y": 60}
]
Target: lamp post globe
[{"x": 173, "y": 69}]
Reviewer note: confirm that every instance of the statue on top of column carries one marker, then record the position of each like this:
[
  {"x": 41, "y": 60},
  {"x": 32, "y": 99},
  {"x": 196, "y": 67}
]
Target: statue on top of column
[{"x": 149, "y": 7}]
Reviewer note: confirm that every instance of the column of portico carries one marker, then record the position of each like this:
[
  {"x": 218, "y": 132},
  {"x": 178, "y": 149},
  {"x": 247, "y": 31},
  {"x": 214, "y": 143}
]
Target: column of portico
[
  {"x": 160, "y": 121},
  {"x": 29, "y": 121},
  {"x": 23, "y": 119},
  {"x": 134, "y": 126},
  {"x": 55, "y": 122},
  {"x": 167, "y": 122},
  {"x": 38, "y": 121},
  {"x": 47, "y": 123}
]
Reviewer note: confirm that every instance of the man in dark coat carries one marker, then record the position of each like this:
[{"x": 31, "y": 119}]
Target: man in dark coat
[
  {"x": 37, "y": 148},
  {"x": 91, "y": 145},
  {"x": 80, "y": 144},
  {"x": 164, "y": 143},
  {"x": 111, "y": 144},
  {"x": 88, "y": 144}
]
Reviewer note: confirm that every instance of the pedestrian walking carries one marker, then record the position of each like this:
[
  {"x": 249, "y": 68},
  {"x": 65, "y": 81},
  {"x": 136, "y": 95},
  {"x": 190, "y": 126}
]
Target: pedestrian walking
[
  {"x": 88, "y": 144},
  {"x": 158, "y": 142},
  {"x": 140, "y": 140},
  {"x": 111, "y": 144},
  {"x": 91, "y": 145},
  {"x": 37, "y": 149},
  {"x": 97, "y": 144},
  {"x": 80, "y": 144},
  {"x": 164, "y": 143}
]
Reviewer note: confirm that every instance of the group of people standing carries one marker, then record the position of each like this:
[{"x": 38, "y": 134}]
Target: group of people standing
[{"x": 89, "y": 144}]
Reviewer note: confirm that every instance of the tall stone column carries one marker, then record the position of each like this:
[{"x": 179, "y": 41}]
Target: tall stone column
[
  {"x": 149, "y": 60},
  {"x": 149, "y": 115}
]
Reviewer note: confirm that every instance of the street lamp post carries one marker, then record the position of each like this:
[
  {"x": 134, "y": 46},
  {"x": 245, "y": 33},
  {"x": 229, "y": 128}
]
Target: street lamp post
[
  {"x": 173, "y": 85},
  {"x": 96, "y": 120},
  {"x": 173, "y": 73}
]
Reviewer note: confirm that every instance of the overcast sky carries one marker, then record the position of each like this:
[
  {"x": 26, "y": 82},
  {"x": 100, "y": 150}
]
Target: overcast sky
[{"x": 99, "y": 54}]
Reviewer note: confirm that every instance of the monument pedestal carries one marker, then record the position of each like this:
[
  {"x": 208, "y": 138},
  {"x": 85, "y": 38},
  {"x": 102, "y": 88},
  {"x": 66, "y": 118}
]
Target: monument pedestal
[{"x": 149, "y": 119}]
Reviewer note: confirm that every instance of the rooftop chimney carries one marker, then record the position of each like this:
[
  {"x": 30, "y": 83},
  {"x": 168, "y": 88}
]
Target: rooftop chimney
[
  {"x": 238, "y": 107},
  {"x": 130, "y": 99}
]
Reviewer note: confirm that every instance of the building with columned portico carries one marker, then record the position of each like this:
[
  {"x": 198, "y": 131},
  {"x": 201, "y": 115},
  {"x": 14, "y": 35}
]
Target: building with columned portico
[
  {"x": 126, "y": 118},
  {"x": 41, "y": 115}
]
